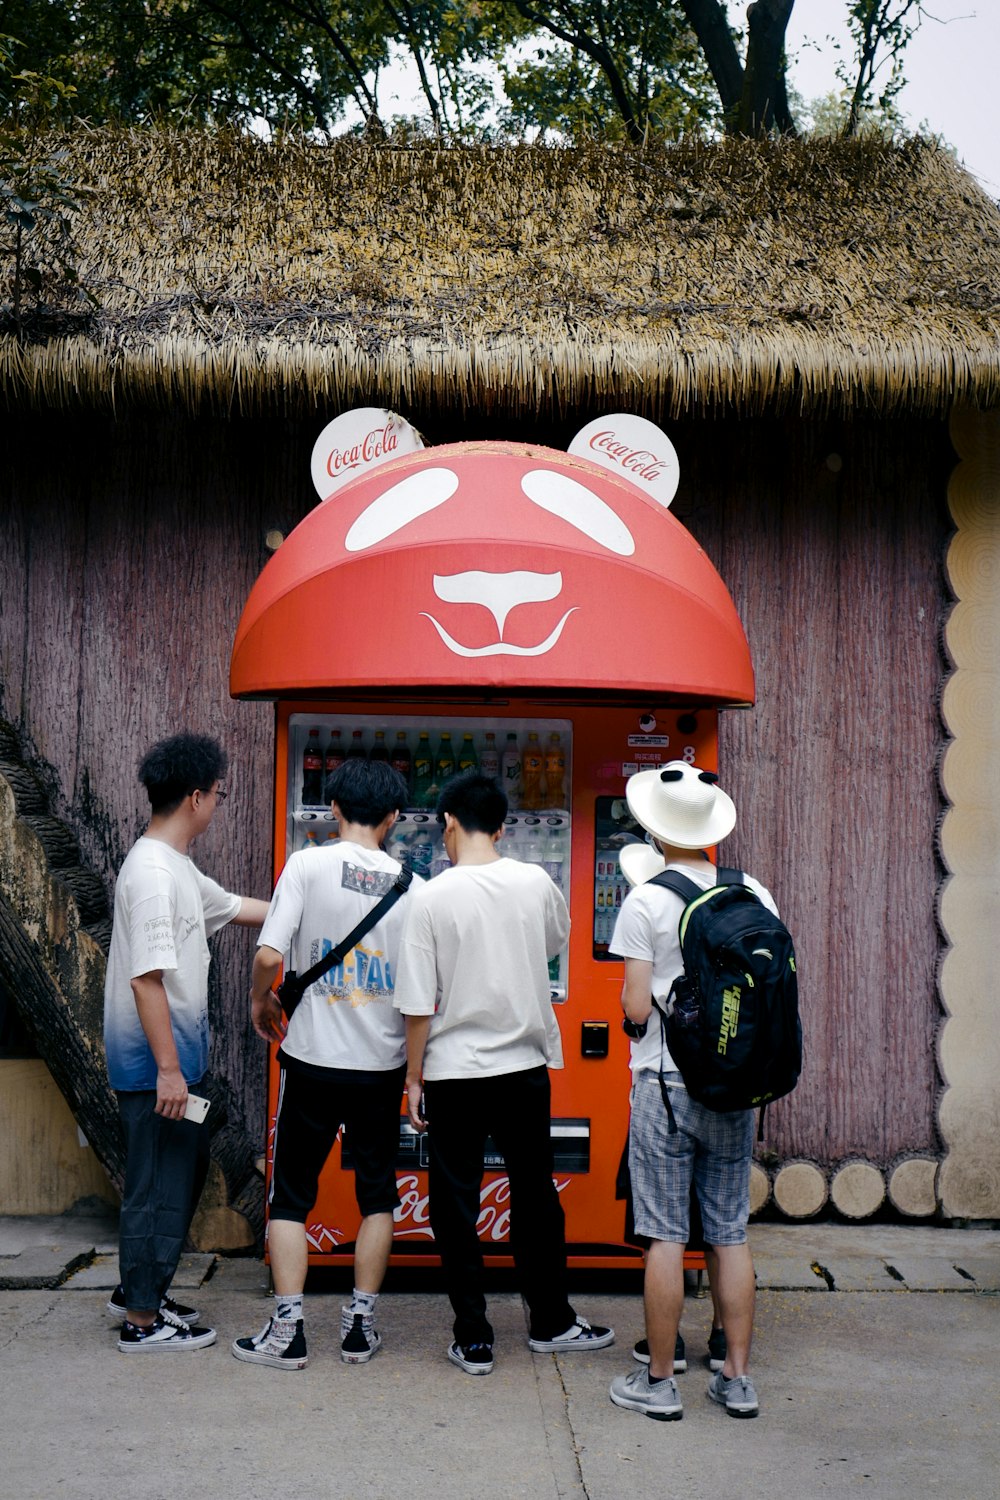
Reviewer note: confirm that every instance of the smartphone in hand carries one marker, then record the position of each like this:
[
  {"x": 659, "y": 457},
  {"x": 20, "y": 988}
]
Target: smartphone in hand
[{"x": 196, "y": 1109}]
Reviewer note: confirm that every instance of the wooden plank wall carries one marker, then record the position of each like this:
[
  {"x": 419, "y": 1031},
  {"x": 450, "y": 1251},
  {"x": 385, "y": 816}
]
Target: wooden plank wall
[
  {"x": 130, "y": 547},
  {"x": 831, "y": 539}
]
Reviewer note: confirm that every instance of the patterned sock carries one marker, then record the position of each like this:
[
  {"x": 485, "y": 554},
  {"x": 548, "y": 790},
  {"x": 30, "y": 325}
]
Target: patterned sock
[
  {"x": 363, "y": 1303},
  {"x": 288, "y": 1309}
]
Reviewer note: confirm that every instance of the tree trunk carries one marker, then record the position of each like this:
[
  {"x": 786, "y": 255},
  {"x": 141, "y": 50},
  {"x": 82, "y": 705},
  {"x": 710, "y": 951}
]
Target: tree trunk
[{"x": 764, "y": 98}]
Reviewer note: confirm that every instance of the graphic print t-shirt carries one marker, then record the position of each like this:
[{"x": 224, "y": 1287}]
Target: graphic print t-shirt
[
  {"x": 165, "y": 912},
  {"x": 346, "y": 1019}
]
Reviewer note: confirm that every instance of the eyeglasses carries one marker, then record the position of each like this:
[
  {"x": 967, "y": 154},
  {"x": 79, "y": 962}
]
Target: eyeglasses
[{"x": 220, "y": 792}]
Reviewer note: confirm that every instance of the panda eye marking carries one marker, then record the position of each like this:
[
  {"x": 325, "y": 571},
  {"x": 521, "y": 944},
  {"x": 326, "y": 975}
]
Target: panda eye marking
[
  {"x": 402, "y": 503},
  {"x": 580, "y": 507}
]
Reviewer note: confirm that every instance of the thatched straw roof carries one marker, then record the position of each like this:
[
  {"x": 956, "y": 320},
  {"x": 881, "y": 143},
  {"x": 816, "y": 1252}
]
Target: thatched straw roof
[{"x": 239, "y": 275}]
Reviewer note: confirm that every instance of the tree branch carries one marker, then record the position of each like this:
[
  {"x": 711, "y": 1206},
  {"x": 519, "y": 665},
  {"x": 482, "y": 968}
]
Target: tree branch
[{"x": 599, "y": 54}]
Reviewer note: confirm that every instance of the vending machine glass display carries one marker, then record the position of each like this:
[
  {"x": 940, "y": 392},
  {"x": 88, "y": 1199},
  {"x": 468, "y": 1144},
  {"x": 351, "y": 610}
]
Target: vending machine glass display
[
  {"x": 532, "y": 759},
  {"x": 614, "y": 827}
]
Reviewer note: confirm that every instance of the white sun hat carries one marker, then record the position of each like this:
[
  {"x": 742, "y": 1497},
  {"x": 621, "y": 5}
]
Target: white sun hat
[
  {"x": 681, "y": 804},
  {"x": 640, "y": 862}
]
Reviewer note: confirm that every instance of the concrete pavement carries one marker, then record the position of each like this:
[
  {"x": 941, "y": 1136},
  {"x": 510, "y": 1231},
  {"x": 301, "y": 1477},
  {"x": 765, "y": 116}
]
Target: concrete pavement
[{"x": 873, "y": 1358}]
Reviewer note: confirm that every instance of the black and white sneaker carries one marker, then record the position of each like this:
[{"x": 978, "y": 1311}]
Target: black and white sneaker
[
  {"x": 282, "y": 1345},
  {"x": 116, "y": 1305},
  {"x": 716, "y": 1349},
  {"x": 474, "y": 1359},
  {"x": 579, "y": 1338},
  {"x": 641, "y": 1353},
  {"x": 359, "y": 1339},
  {"x": 165, "y": 1332}
]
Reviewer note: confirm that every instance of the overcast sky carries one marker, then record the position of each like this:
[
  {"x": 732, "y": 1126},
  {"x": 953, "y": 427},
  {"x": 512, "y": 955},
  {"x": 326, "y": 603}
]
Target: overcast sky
[{"x": 950, "y": 67}]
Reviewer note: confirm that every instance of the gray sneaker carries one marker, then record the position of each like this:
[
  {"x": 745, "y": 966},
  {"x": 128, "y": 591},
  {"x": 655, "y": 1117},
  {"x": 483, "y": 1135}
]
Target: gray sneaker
[
  {"x": 737, "y": 1394},
  {"x": 659, "y": 1401}
]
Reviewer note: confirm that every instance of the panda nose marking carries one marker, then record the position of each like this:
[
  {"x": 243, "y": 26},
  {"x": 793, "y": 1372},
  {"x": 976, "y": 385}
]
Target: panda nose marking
[{"x": 498, "y": 592}]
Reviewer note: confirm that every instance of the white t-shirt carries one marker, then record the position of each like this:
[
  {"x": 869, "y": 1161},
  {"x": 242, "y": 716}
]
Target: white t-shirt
[
  {"x": 165, "y": 912},
  {"x": 647, "y": 928},
  {"x": 475, "y": 955},
  {"x": 345, "y": 1019}
]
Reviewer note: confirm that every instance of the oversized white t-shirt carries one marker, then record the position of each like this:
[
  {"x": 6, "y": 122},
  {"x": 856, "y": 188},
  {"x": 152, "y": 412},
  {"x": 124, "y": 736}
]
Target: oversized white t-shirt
[
  {"x": 647, "y": 928},
  {"x": 165, "y": 912},
  {"x": 475, "y": 955},
  {"x": 346, "y": 1019}
]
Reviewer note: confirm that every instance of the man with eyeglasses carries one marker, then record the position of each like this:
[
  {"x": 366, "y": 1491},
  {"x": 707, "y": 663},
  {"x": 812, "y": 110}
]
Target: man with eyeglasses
[{"x": 156, "y": 1032}]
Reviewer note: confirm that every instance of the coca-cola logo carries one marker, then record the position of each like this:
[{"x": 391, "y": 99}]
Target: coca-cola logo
[
  {"x": 633, "y": 448},
  {"x": 323, "y": 1239},
  {"x": 412, "y": 1219},
  {"x": 638, "y": 461},
  {"x": 375, "y": 445}
]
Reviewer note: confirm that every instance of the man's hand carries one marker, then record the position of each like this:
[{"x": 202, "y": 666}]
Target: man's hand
[
  {"x": 171, "y": 1093},
  {"x": 414, "y": 1101},
  {"x": 265, "y": 1012}
]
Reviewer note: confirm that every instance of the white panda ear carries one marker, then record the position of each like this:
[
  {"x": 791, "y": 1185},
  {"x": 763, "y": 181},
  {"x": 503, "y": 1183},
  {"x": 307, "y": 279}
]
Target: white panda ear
[
  {"x": 636, "y": 450},
  {"x": 355, "y": 443}
]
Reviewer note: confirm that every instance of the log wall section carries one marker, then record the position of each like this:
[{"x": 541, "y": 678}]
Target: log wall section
[{"x": 130, "y": 546}]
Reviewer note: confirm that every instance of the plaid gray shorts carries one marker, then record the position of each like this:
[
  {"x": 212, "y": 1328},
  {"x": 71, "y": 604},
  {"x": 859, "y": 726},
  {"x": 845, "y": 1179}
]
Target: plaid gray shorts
[{"x": 712, "y": 1151}]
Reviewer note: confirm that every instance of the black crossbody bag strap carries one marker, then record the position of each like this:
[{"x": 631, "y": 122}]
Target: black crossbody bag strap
[{"x": 294, "y": 986}]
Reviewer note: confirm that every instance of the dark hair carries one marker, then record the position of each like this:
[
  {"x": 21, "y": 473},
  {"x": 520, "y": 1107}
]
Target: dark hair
[
  {"x": 177, "y": 766},
  {"x": 366, "y": 791},
  {"x": 477, "y": 803}
]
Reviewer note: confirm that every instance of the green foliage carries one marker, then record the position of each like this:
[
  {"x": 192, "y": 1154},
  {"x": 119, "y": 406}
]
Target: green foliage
[
  {"x": 568, "y": 68},
  {"x": 881, "y": 31},
  {"x": 618, "y": 70},
  {"x": 37, "y": 198}
]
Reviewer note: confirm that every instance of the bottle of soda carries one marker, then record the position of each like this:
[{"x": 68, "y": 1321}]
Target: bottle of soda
[
  {"x": 531, "y": 773},
  {"x": 467, "y": 758},
  {"x": 331, "y": 761},
  {"x": 357, "y": 750},
  {"x": 511, "y": 770},
  {"x": 423, "y": 770},
  {"x": 402, "y": 760},
  {"x": 312, "y": 771},
  {"x": 444, "y": 763},
  {"x": 489, "y": 757},
  {"x": 379, "y": 750},
  {"x": 310, "y": 841},
  {"x": 555, "y": 772}
]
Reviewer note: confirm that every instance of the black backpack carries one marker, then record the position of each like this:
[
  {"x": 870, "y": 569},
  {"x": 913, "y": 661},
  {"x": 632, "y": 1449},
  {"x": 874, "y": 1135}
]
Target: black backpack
[{"x": 732, "y": 1019}]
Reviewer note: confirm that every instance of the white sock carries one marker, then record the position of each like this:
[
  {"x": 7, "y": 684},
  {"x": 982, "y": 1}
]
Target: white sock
[
  {"x": 288, "y": 1309},
  {"x": 363, "y": 1303}
]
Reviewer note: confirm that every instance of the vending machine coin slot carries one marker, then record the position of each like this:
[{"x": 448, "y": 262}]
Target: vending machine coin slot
[{"x": 593, "y": 1038}]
